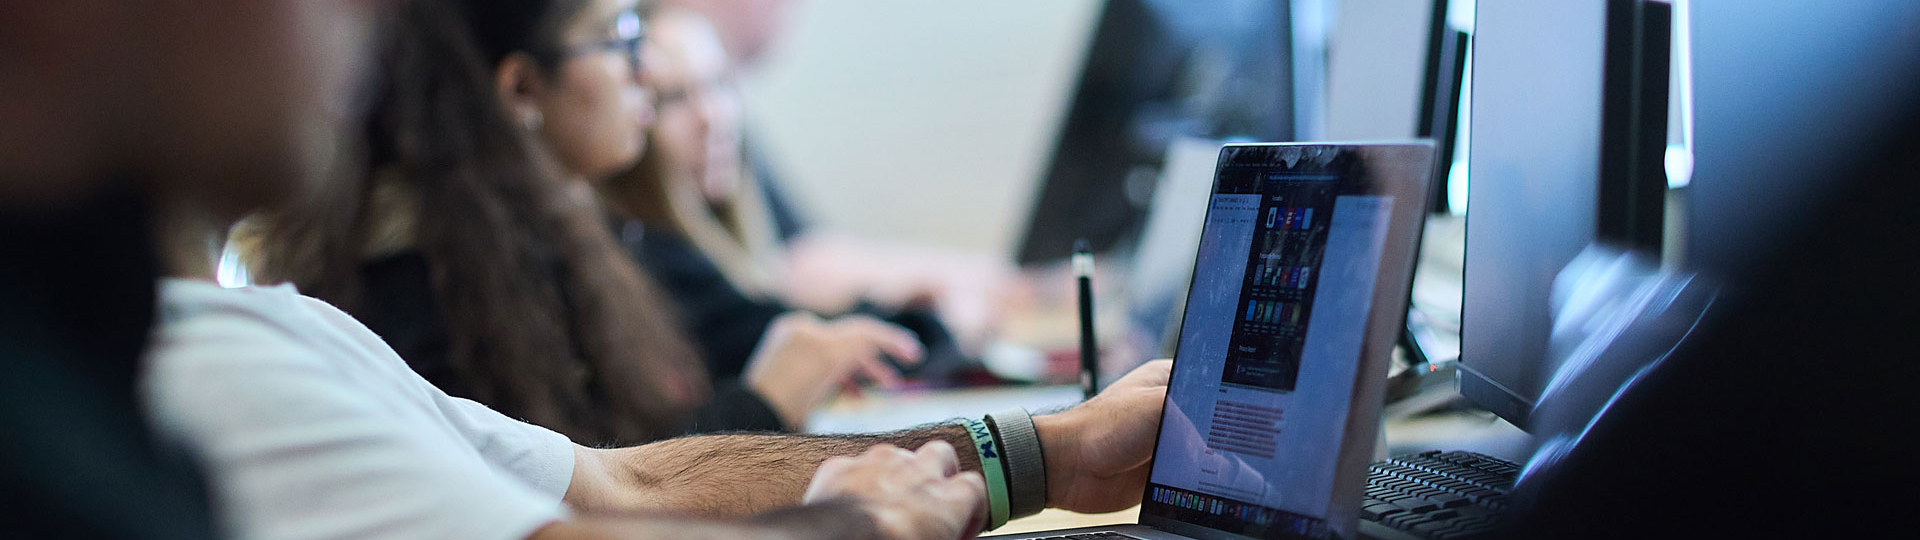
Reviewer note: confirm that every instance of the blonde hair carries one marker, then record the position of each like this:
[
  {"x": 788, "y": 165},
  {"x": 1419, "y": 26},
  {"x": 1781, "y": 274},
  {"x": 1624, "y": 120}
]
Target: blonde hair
[{"x": 736, "y": 234}]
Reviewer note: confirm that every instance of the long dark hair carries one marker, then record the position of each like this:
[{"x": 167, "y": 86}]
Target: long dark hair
[{"x": 548, "y": 320}]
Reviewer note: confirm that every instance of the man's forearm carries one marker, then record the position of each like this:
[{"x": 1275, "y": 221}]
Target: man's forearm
[
  {"x": 726, "y": 474},
  {"x": 830, "y": 520}
]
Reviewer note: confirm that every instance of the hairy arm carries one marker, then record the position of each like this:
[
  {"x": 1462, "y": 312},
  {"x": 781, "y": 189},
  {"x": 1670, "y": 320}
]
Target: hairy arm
[
  {"x": 1097, "y": 457},
  {"x": 726, "y": 475}
]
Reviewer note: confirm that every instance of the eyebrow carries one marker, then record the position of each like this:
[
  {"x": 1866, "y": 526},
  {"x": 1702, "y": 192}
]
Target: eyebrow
[{"x": 603, "y": 22}]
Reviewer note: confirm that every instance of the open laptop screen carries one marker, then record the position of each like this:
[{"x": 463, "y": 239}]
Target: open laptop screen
[{"x": 1301, "y": 277}]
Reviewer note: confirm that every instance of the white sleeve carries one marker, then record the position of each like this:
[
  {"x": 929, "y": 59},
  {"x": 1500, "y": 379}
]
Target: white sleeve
[
  {"x": 296, "y": 452},
  {"x": 536, "y": 455}
]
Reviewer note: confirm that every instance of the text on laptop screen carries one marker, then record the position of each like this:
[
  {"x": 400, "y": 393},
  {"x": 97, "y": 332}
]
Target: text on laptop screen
[{"x": 1264, "y": 379}]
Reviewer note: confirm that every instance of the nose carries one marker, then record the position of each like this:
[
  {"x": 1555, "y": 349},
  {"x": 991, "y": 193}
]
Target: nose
[
  {"x": 644, "y": 54},
  {"x": 646, "y": 112}
]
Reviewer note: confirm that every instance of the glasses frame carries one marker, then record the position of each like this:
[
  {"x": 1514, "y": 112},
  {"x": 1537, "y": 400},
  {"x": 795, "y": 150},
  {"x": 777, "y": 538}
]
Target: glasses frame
[{"x": 631, "y": 29}]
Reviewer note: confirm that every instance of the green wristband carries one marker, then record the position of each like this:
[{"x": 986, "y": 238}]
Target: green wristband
[{"x": 990, "y": 467}]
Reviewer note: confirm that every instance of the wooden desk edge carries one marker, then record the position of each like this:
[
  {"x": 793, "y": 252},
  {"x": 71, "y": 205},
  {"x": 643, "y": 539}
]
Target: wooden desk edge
[{"x": 1055, "y": 519}]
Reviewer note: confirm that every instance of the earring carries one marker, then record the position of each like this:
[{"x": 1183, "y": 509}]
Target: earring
[{"x": 532, "y": 120}]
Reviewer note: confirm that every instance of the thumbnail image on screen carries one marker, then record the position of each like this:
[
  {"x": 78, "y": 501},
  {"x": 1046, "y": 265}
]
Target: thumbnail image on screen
[{"x": 1278, "y": 288}]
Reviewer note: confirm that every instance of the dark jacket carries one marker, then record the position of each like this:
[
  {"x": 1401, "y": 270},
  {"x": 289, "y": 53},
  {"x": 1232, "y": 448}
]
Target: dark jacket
[{"x": 79, "y": 458}]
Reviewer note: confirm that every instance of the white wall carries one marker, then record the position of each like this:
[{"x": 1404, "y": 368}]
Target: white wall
[
  {"x": 932, "y": 121},
  {"x": 1376, "y": 59},
  {"x": 920, "y": 121}
]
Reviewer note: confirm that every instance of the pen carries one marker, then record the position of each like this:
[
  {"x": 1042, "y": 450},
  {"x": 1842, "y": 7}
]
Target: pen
[{"x": 1089, "y": 351}]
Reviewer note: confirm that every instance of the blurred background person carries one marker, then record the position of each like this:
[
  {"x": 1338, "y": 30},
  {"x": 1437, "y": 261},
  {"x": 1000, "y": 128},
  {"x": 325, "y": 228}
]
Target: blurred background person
[
  {"x": 746, "y": 27},
  {"x": 114, "y": 109},
  {"x": 473, "y": 246},
  {"x": 697, "y": 219},
  {"x": 735, "y": 250}
]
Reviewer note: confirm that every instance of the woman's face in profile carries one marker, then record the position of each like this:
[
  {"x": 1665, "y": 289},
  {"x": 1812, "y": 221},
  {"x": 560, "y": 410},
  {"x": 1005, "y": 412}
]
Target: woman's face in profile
[
  {"x": 596, "y": 113},
  {"x": 698, "y": 132}
]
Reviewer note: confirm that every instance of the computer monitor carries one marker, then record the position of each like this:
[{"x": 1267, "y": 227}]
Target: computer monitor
[
  {"x": 1431, "y": 337},
  {"x": 1440, "y": 94},
  {"x": 1565, "y": 100},
  {"x": 1157, "y": 70}
]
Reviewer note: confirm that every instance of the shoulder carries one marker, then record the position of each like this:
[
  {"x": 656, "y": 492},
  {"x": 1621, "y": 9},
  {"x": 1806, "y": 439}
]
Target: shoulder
[
  {"x": 214, "y": 338},
  {"x": 210, "y": 321},
  {"x": 309, "y": 423}
]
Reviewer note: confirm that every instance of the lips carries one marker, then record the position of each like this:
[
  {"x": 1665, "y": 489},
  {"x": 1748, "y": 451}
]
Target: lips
[
  {"x": 644, "y": 116},
  {"x": 644, "y": 113}
]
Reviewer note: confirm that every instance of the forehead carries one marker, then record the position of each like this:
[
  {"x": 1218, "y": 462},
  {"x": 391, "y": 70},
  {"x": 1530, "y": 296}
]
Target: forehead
[{"x": 689, "y": 45}]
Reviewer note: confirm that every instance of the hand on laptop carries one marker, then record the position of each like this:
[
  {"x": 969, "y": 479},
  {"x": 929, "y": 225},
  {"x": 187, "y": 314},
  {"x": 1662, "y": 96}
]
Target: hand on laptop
[
  {"x": 918, "y": 495},
  {"x": 1097, "y": 453}
]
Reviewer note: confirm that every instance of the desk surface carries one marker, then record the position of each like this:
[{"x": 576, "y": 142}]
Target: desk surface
[{"x": 1053, "y": 519}]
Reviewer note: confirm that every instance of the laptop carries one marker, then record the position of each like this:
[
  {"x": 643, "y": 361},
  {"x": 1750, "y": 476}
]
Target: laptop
[{"x": 1298, "y": 295}]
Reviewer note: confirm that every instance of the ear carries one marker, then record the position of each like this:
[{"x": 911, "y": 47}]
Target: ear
[{"x": 522, "y": 88}]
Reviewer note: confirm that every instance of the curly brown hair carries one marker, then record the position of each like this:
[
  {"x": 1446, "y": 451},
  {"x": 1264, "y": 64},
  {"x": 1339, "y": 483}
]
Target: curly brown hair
[{"x": 548, "y": 320}]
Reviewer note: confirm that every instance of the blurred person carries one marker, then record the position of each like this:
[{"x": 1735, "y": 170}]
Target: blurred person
[
  {"x": 746, "y": 27},
  {"x": 704, "y": 224},
  {"x": 310, "y": 427},
  {"x": 1807, "y": 354},
  {"x": 87, "y": 82},
  {"x": 474, "y": 247},
  {"x": 832, "y": 271},
  {"x": 693, "y": 217}
]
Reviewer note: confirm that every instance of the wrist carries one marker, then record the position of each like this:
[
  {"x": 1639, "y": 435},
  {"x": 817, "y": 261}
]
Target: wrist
[
  {"x": 1063, "y": 454},
  {"x": 790, "y": 408}
]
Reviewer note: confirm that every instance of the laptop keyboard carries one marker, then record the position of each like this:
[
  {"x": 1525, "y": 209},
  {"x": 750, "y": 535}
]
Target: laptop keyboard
[
  {"x": 1090, "y": 536},
  {"x": 1439, "y": 495}
]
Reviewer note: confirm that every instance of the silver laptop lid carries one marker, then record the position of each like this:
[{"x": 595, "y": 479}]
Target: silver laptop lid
[{"x": 1299, "y": 286}]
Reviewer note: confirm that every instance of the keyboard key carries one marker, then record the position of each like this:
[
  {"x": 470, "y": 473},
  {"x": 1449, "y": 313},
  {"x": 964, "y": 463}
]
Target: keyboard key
[
  {"x": 1430, "y": 527},
  {"x": 1472, "y": 511},
  {"x": 1377, "y": 511},
  {"x": 1460, "y": 534},
  {"x": 1417, "y": 505},
  {"x": 1403, "y": 520}
]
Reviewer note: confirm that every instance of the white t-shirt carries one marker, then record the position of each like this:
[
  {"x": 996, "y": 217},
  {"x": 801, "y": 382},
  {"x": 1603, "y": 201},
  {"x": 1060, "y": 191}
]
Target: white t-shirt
[{"x": 311, "y": 427}]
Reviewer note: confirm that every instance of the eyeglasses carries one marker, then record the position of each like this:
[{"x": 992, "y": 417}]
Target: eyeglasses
[{"x": 629, "y": 31}]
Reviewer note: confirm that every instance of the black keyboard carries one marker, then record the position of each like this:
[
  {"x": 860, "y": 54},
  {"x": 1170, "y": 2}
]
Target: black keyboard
[
  {"x": 1439, "y": 495},
  {"x": 1090, "y": 536}
]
